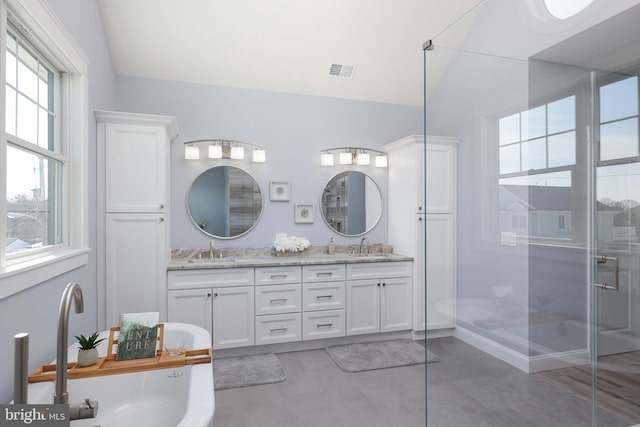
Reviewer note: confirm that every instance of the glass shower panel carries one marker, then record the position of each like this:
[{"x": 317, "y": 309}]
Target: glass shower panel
[{"x": 523, "y": 226}]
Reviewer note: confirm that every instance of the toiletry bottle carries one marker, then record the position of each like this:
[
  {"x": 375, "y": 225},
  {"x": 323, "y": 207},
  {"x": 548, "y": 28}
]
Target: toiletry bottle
[{"x": 331, "y": 249}]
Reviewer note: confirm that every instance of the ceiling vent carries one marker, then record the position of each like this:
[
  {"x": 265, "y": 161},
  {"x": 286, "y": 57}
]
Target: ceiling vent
[{"x": 341, "y": 70}]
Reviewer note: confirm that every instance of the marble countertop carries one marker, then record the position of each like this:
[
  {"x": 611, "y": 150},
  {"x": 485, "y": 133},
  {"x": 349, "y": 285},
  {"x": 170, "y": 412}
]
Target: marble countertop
[{"x": 194, "y": 259}]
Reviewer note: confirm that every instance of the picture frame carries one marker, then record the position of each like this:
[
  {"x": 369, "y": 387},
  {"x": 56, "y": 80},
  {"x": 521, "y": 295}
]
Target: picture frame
[
  {"x": 304, "y": 213},
  {"x": 279, "y": 191}
]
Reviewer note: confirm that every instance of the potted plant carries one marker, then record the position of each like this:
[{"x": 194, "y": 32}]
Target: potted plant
[{"x": 87, "y": 352}]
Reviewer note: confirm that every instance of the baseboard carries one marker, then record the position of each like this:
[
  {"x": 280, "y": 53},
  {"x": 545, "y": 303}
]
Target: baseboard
[{"x": 528, "y": 364}]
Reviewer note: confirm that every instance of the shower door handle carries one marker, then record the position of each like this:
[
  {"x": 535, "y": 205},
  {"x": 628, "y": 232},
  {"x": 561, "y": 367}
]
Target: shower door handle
[{"x": 616, "y": 272}]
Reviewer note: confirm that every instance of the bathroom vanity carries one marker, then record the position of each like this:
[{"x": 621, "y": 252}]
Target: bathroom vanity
[{"x": 253, "y": 301}]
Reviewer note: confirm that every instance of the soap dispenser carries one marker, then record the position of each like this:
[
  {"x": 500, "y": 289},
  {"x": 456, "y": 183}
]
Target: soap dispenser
[{"x": 331, "y": 249}]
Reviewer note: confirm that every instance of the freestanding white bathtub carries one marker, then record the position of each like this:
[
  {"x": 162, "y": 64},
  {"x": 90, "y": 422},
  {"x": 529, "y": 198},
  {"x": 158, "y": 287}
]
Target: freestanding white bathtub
[{"x": 149, "y": 398}]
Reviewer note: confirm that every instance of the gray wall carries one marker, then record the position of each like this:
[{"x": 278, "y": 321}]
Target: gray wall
[
  {"x": 292, "y": 128},
  {"x": 36, "y": 310}
]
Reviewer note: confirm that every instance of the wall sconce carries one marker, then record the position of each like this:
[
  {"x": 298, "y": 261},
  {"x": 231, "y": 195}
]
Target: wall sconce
[
  {"x": 354, "y": 155},
  {"x": 224, "y": 149}
]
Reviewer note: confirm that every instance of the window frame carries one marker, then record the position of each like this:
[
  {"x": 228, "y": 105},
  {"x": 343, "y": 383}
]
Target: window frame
[{"x": 46, "y": 34}]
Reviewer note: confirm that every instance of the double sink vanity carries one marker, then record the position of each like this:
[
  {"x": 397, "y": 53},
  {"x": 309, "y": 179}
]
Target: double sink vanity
[{"x": 251, "y": 297}]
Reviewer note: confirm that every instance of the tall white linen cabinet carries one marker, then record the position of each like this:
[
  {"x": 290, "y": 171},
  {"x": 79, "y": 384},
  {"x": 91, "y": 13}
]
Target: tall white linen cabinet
[
  {"x": 133, "y": 189},
  {"x": 409, "y": 215}
]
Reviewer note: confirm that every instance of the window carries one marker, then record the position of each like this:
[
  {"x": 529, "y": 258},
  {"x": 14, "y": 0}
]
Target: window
[
  {"x": 537, "y": 155},
  {"x": 563, "y": 9},
  {"x": 540, "y": 138},
  {"x": 43, "y": 134},
  {"x": 35, "y": 162}
]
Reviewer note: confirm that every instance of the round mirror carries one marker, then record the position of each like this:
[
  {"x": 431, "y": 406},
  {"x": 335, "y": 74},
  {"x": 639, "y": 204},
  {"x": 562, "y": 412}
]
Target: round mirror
[
  {"x": 225, "y": 202},
  {"x": 351, "y": 203}
]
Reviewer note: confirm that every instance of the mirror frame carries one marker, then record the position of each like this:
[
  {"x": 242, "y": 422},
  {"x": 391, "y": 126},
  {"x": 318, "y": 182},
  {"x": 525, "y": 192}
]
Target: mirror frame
[
  {"x": 377, "y": 221},
  {"x": 193, "y": 221}
]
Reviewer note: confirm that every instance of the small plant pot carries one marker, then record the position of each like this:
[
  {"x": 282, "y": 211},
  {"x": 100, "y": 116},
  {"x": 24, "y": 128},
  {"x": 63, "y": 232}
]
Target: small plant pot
[{"x": 87, "y": 357}]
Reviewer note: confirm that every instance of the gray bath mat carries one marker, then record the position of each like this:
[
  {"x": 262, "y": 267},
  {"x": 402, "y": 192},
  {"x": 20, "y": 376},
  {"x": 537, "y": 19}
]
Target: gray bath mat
[
  {"x": 246, "y": 371},
  {"x": 379, "y": 355}
]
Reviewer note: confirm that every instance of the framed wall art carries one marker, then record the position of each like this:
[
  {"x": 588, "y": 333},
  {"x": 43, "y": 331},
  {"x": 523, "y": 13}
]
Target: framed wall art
[
  {"x": 304, "y": 213},
  {"x": 279, "y": 191}
]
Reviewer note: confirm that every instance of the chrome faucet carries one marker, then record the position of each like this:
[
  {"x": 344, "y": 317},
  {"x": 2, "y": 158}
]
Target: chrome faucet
[
  {"x": 211, "y": 249},
  {"x": 88, "y": 408},
  {"x": 364, "y": 239}
]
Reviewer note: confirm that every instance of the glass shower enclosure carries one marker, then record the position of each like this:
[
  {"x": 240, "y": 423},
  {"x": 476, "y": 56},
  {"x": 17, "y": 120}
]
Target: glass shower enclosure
[{"x": 548, "y": 250}]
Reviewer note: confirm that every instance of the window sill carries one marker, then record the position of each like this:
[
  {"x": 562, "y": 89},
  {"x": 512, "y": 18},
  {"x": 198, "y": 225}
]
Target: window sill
[{"x": 18, "y": 277}]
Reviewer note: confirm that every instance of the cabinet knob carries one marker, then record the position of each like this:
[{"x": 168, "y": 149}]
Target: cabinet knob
[
  {"x": 208, "y": 294},
  {"x": 378, "y": 284},
  {"x": 420, "y": 219},
  {"x": 215, "y": 294},
  {"x": 384, "y": 284},
  {"x": 161, "y": 206},
  {"x": 161, "y": 219}
]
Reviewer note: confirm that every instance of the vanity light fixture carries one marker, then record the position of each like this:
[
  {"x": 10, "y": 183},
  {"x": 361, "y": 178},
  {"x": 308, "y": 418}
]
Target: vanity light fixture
[
  {"x": 354, "y": 155},
  {"x": 224, "y": 149}
]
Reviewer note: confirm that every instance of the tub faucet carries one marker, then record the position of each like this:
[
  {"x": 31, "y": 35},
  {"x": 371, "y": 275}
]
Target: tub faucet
[
  {"x": 88, "y": 408},
  {"x": 364, "y": 239}
]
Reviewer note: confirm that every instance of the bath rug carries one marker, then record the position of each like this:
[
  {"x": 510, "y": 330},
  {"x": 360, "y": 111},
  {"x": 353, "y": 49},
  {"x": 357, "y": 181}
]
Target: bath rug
[
  {"x": 379, "y": 355},
  {"x": 247, "y": 371}
]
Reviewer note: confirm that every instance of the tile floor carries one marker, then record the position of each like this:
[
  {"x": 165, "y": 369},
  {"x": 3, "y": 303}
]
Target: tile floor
[{"x": 466, "y": 388}]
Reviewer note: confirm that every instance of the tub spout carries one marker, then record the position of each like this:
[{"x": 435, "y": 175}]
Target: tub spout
[{"x": 82, "y": 410}]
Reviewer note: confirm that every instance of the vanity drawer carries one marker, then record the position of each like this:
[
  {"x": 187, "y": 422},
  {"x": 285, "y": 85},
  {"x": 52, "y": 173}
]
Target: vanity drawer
[
  {"x": 209, "y": 278},
  {"x": 322, "y": 296},
  {"x": 277, "y": 328},
  {"x": 275, "y": 299},
  {"x": 378, "y": 270},
  {"x": 323, "y": 273},
  {"x": 278, "y": 275},
  {"x": 323, "y": 324}
]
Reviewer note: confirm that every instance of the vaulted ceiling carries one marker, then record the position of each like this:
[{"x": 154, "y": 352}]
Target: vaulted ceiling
[{"x": 281, "y": 45}]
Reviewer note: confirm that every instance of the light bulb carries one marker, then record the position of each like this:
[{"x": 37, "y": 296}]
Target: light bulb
[
  {"x": 215, "y": 151},
  {"x": 191, "y": 152},
  {"x": 326, "y": 159},
  {"x": 237, "y": 153},
  {"x": 363, "y": 159},
  {"x": 258, "y": 155},
  {"x": 381, "y": 161},
  {"x": 346, "y": 158}
]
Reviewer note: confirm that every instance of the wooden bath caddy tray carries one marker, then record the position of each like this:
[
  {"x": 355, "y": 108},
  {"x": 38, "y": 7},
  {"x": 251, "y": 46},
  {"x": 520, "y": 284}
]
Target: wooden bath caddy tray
[{"x": 110, "y": 366}]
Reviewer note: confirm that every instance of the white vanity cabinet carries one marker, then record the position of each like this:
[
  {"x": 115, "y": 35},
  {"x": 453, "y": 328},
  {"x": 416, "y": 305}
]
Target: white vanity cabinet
[
  {"x": 378, "y": 297},
  {"x": 221, "y": 301},
  {"x": 133, "y": 215},
  {"x": 409, "y": 215},
  {"x": 278, "y": 304}
]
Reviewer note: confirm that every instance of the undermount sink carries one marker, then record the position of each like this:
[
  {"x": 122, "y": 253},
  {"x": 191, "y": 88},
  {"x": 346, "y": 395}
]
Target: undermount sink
[{"x": 210, "y": 260}]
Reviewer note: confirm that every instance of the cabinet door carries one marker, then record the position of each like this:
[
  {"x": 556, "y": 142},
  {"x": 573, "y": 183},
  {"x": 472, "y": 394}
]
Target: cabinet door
[
  {"x": 233, "y": 317},
  {"x": 363, "y": 307},
  {"x": 395, "y": 304},
  {"x": 135, "y": 265},
  {"x": 191, "y": 306},
  {"x": 440, "y": 280},
  {"x": 441, "y": 178},
  {"x": 136, "y": 168}
]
